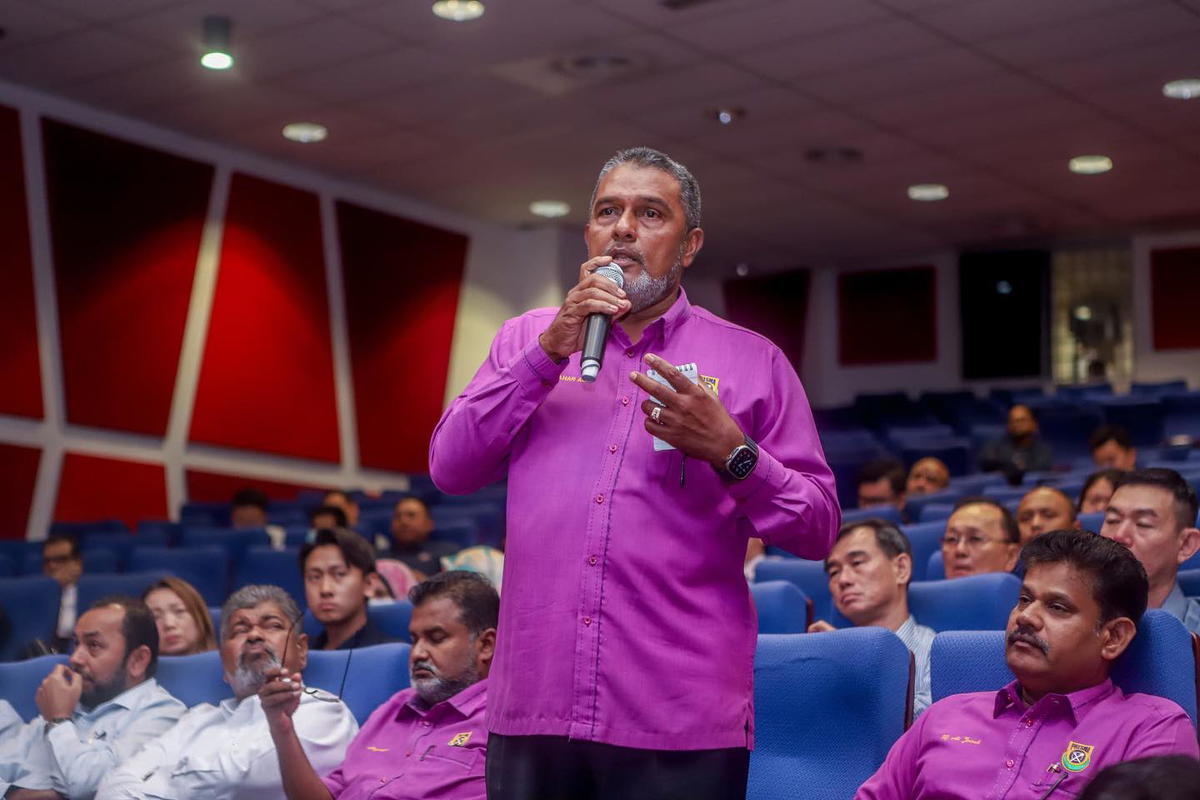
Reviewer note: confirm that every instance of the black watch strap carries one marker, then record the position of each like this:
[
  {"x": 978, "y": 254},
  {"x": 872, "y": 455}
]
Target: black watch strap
[{"x": 741, "y": 462}]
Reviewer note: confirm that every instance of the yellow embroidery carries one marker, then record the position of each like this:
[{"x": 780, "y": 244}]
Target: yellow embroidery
[
  {"x": 374, "y": 749},
  {"x": 1077, "y": 757},
  {"x": 712, "y": 383},
  {"x": 461, "y": 740}
]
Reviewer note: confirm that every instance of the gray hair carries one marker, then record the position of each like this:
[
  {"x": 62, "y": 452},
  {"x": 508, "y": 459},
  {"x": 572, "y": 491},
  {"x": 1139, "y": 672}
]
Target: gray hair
[
  {"x": 254, "y": 595},
  {"x": 689, "y": 189}
]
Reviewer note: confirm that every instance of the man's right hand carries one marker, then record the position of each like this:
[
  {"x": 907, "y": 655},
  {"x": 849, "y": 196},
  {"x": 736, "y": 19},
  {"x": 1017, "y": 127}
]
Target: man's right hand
[
  {"x": 820, "y": 626},
  {"x": 593, "y": 294},
  {"x": 280, "y": 696}
]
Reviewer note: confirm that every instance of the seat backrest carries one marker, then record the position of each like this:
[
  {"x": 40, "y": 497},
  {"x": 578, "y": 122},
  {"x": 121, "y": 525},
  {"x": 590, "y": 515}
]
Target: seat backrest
[
  {"x": 392, "y": 618},
  {"x": 781, "y": 607},
  {"x": 826, "y": 708},
  {"x": 1189, "y": 581},
  {"x": 94, "y": 587},
  {"x": 235, "y": 542},
  {"x": 205, "y": 568},
  {"x": 1159, "y": 661},
  {"x": 194, "y": 679},
  {"x": 31, "y": 605},
  {"x": 8, "y": 567},
  {"x": 807, "y": 576},
  {"x": 916, "y": 503},
  {"x": 977, "y": 602},
  {"x": 925, "y": 538},
  {"x": 888, "y": 513},
  {"x": 278, "y": 567},
  {"x": 365, "y": 677},
  {"x": 19, "y": 682},
  {"x": 1091, "y": 521},
  {"x": 935, "y": 570}
]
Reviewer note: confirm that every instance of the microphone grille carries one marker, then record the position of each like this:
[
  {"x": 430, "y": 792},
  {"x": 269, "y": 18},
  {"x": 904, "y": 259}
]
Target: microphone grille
[{"x": 614, "y": 274}]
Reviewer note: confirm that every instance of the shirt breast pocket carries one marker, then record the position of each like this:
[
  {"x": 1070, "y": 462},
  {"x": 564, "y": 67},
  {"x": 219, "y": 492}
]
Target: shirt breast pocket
[
  {"x": 465, "y": 758},
  {"x": 1070, "y": 786}
]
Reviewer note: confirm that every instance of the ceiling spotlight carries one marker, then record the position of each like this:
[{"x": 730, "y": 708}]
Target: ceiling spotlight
[
  {"x": 218, "y": 31},
  {"x": 458, "y": 10},
  {"x": 1090, "y": 165},
  {"x": 727, "y": 116},
  {"x": 928, "y": 192},
  {"x": 1182, "y": 89},
  {"x": 742, "y": 269},
  {"x": 550, "y": 209},
  {"x": 305, "y": 132},
  {"x": 1083, "y": 313}
]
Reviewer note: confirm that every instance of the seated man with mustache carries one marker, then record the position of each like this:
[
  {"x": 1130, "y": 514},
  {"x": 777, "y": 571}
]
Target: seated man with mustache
[
  {"x": 224, "y": 752},
  {"x": 1062, "y": 720},
  {"x": 425, "y": 742}
]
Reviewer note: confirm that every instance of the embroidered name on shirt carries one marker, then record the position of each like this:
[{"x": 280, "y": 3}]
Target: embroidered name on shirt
[
  {"x": 961, "y": 739},
  {"x": 1077, "y": 757},
  {"x": 712, "y": 383},
  {"x": 571, "y": 378},
  {"x": 460, "y": 740},
  {"x": 374, "y": 749}
]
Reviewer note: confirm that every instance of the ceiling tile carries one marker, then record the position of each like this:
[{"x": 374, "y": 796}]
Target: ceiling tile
[
  {"x": 745, "y": 29},
  {"x": 988, "y": 19},
  {"x": 93, "y": 52},
  {"x": 25, "y": 23}
]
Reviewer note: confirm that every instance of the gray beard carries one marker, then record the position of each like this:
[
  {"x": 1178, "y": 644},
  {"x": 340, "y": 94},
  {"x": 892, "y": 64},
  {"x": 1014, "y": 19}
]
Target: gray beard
[
  {"x": 248, "y": 678},
  {"x": 438, "y": 688},
  {"x": 646, "y": 290}
]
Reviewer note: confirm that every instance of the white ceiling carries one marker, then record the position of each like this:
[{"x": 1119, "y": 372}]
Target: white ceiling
[{"x": 988, "y": 96}]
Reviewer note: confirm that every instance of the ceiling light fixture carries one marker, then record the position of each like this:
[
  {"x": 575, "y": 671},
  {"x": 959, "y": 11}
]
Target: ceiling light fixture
[
  {"x": 727, "y": 115},
  {"x": 218, "y": 31},
  {"x": 1090, "y": 165},
  {"x": 305, "y": 132},
  {"x": 928, "y": 192},
  {"x": 550, "y": 209},
  {"x": 458, "y": 10},
  {"x": 1182, "y": 89}
]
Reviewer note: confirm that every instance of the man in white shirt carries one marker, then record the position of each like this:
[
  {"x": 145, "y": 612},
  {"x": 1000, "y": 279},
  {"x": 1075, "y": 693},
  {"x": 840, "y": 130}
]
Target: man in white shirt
[
  {"x": 62, "y": 561},
  {"x": 94, "y": 713},
  {"x": 224, "y": 752}
]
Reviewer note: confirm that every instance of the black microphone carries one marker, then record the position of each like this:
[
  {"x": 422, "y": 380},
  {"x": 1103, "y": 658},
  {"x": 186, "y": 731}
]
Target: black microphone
[{"x": 597, "y": 328}]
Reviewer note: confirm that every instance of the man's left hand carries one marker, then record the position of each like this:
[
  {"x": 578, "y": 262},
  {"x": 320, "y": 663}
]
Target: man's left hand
[
  {"x": 59, "y": 693},
  {"x": 692, "y": 418}
]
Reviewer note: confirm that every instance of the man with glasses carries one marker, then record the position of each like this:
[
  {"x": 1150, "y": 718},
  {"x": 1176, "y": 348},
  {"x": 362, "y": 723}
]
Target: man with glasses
[
  {"x": 981, "y": 536},
  {"x": 62, "y": 561}
]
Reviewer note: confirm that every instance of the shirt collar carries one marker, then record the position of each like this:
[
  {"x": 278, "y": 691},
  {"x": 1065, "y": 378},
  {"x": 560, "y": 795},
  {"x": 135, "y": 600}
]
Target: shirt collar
[
  {"x": 1176, "y": 603},
  {"x": 907, "y": 628},
  {"x": 672, "y": 318},
  {"x": 1010, "y": 698},
  {"x": 128, "y": 699},
  {"x": 466, "y": 702}
]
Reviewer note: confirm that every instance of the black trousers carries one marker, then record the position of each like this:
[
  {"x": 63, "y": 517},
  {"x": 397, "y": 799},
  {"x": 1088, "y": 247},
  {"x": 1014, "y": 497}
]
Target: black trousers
[{"x": 557, "y": 768}]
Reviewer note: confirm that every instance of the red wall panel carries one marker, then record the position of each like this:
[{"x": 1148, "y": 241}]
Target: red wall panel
[
  {"x": 402, "y": 282},
  {"x": 92, "y": 487},
  {"x": 216, "y": 487},
  {"x": 266, "y": 381},
  {"x": 20, "y": 373},
  {"x": 1175, "y": 297},
  {"x": 125, "y": 222},
  {"x": 18, "y": 474},
  {"x": 775, "y": 306},
  {"x": 887, "y": 316}
]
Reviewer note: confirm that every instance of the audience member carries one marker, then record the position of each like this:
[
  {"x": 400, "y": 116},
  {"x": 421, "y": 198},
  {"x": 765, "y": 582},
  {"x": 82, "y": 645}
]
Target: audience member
[
  {"x": 481, "y": 558},
  {"x": 430, "y": 739},
  {"x": 981, "y": 536},
  {"x": 226, "y": 751},
  {"x": 869, "y": 569},
  {"x": 1153, "y": 513},
  {"x": 342, "y": 499},
  {"x": 327, "y": 518},
  {"x": 184, "y": 625},
  {"x": 1043, "y": 509},
  {"x": 336, "y": 567},
  {"x": 1153, "y": 778},
  {"x": 1112, "y": 448},
  {"x": 62, "y": 561},
  {"x": 1097, "y": 490},
  {"x": 928, "y": 475},
  {"x": 1020, "y": 450},
  {"x": 411, "y": 526},
  {"x": 881, "y": 482},
  {"x": 248, "y": 509},
  {"x": 93, "y": 712},
  {"x": 1078, "y": 610}
]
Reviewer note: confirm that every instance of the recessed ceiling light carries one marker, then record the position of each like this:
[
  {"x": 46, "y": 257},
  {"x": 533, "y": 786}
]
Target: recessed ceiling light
[
  {"x": 1090, "y": 165},
  {"x": 928, "y": 192},
  {"x": 218, "y": 31},
  {"x": 458, "y": 10},
  {"x": 727, "y": 115},
  {"x": 550, "y": 209},
  {"x": 1182, "y": 89},
  {"x": 742, "y": 269},
  {"x": 305, "y": 132}
]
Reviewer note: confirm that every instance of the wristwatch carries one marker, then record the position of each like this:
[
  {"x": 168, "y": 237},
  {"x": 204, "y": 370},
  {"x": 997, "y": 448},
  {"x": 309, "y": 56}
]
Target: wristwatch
[
  {"x": 741, "y": 462},
  {"x": 52, "y": 723}
]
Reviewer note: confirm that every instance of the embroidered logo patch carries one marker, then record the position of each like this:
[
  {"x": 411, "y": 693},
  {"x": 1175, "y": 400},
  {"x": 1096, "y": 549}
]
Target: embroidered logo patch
[
  {"x": 711, "y": 382},
  {"x": 460, "y": 740},
  {"x": 1077, "y": 757}
]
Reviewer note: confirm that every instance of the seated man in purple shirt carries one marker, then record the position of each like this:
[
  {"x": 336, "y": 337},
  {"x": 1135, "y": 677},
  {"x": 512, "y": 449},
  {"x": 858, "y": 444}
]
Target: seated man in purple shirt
[
  {"x": 425, "y": 742},
  {"x": 1062, "y": 720}
]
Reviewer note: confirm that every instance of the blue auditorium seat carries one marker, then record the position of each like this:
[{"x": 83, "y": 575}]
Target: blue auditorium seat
[
  {"x": 81, "y": 530},
  {"x": 365, "y": 678},
  {"x": 977, "y": 602},
  {"x": 94, "y": 561},
  {"x": 204, "y": 514},
  {"x": 827, "y": 709},
  {"x": 1159, "y": 661},
  {"x": 205, "y": 568},
  {"x": 925, "y": 539},
  {"x": 1158, "y": 388},
  {"x": 463, "y": 534},
  {"x": 158, "y": 533},
  {"x": 781, "y": 607},
  {"x": 935, "y": 570},
  {"x": 887, "y": 513},
  {"x": 936, "y": 512},
  {"x": 1142, "y": 417},
  {"x": 1087, "y": 391},
  {"x": 1002, "y": 494},
  {"x": 1193, "y": 562},
  {"x": 1091, "y": 521},
  {"x": 917, "y": 502},
  {"x": 807, "y": 576},
  {"x": 37, "y": 598},
  {"x": 1189, "y": 581},
  {"x": 235, "y": 542},
  {"x": 391, "y": 618},
  {"x": 278, "y": 567},
  {"x": 194, "y": 679},
  {"x": 19, "y": 682},
  {"x": 900, "y": 434},
  {"x": 118, "y": 544},
  {"x": 1066, "y": 428},
  {"x": 953, "y": 451},
  {"x": 975, "y": 484},
  {"x": 8, "y": 567},
  {"x": 94, "y": 587}
]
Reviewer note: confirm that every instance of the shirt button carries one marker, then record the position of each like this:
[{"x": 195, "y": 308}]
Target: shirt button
[
  {"x": 1028, "y": 723},
  {"x": 587, "y": 620},
  {"x": 1009, "y": 763},
  {"x": 599, "y": 498},
  {"x": 625, "y": 400},
  {"x": 425, "y": 724},
  {"x": 612, "y": 448},
  {"x": 629, "y": 353},
  {"x": 592, "y": 560}
]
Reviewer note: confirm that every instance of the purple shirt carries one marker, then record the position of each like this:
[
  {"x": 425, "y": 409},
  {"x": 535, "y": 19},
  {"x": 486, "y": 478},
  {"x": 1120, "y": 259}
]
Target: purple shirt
[
  {"x": 991, "y": 745},
  {"x": 625, "y": 617},
  {"x": 406, "y": 751}
]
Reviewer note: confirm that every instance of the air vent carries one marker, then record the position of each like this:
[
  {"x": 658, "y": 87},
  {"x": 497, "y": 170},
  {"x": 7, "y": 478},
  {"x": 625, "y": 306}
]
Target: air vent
[
  {"x": 561, "y": 74},
  {"x": 834, "y": 156},
  {"x": 683, "y": 5}
]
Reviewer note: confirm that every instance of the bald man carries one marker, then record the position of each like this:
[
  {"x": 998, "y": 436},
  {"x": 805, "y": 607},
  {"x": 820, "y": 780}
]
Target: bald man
[{"x": 928, "y": 475}]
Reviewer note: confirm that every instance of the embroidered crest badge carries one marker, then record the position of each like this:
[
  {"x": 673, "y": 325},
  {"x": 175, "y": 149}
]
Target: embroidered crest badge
[
  {"x": 461, "y": 739},
  {"x": 1077, "y": 757}
]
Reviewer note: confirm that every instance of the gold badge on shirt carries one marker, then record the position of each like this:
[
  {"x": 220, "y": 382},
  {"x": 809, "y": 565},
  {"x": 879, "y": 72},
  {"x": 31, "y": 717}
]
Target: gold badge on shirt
[
  {"x": 461, "y": 739},
  {"x": 1077, "y": 757},
  {"x": 711, "y": 382}
]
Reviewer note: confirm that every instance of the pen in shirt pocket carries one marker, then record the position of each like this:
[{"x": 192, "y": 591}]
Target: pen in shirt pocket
[{"x": 1062, "y": 776}]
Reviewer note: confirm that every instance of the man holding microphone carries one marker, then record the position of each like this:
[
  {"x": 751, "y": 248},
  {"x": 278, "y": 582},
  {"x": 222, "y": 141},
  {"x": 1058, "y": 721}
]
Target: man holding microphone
[{"x": 624, "y": 662}]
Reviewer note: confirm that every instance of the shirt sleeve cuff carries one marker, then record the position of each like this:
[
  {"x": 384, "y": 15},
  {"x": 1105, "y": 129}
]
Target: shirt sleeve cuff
[
  {"x": 533, "y": 368},
  {"x": 768, "y": 474},
  {"x": 61, "y": 736}
]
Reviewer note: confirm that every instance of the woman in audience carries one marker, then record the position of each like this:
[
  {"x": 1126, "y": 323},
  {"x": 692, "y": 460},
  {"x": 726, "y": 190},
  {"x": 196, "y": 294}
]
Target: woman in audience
[
  {"x": 184, "y": 625},
  {"x": 1098, "y": 487}
]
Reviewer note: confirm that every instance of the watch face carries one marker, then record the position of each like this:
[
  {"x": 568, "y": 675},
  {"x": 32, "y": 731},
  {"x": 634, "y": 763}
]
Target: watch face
[{"x": 742, "y": 462}]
